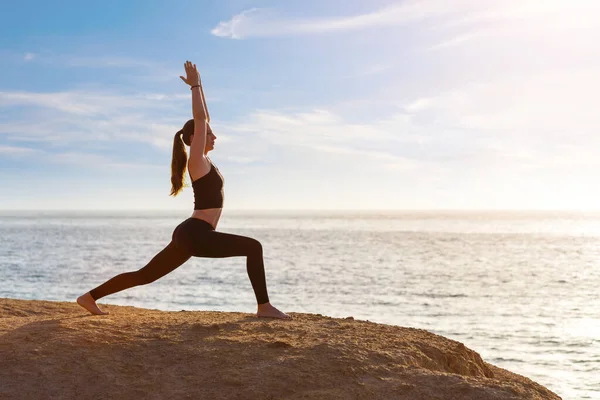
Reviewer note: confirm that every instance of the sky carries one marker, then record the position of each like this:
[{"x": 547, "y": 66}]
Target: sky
[{"x": 378, "y": 105}]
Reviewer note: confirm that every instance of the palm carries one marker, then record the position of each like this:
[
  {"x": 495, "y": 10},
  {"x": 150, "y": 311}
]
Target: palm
[{"x": 192, "y": 76}]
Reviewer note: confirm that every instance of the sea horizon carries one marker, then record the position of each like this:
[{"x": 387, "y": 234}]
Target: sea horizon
[{"x": 369, "y": 211}]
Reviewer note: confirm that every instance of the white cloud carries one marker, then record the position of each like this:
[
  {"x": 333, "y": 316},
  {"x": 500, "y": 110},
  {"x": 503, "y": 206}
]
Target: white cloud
[
  {"x": 370, "y": 70},
  {"x": 98, "y": 161},
  {"x": 241, "y": 160},
  {"x": 88, "y": 102},
  {"x": 83, "y": 159},
  {"x": 149, "y": 70},
  {"x": 419, "y": 105},
  {"x": 323, "y": 131},
  {"x": 510, "y": 126},
  {"x": 145, "y": 69},
  {"x": 458, "y": 21},
  {"x": 462, "y": 38},
  {"x": 94, "y": 61},
  {"x": 105, "y": 62},
  {"x": 522, "y": 21},
  {"x": 542, "y": 122},
  {"x": 386, "y": 159},
  {"x": 308, "y": 127},
  {"x": 557, "y": 101},
  {"x": 16, "y": 151},
  {"x": 87, "y": 116},
  {"x": 265, "y": 22}
]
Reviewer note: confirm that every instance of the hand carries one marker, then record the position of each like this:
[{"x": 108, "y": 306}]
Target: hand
[{"x": 193, "y": 77}]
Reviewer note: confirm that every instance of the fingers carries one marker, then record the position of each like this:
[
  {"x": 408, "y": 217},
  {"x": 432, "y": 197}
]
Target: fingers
[{"x": 190, "y": 68}]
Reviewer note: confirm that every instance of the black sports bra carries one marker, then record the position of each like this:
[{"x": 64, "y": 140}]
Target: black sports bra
[{"x": 208, "y": 190}]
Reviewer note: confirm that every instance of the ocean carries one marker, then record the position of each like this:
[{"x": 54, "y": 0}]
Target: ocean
[{"x": 519, "y": 288}]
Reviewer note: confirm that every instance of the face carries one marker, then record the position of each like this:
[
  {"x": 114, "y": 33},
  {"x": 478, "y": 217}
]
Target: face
[{"x": 210, "y": 140}]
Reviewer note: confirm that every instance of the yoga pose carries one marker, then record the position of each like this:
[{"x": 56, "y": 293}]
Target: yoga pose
[{"x": 196, "y": 236}]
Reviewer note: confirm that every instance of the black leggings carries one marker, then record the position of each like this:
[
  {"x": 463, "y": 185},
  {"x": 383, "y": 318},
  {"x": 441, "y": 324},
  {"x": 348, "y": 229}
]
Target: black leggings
[{"x": 194, "y": 237}]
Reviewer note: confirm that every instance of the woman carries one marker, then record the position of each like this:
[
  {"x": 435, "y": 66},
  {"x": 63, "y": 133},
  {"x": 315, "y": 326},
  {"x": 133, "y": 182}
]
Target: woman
[{"x": 196, "y": 236}]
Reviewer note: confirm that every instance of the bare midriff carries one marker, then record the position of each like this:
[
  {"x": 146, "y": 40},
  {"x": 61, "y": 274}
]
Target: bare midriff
[{"x": 210, "y": 215}]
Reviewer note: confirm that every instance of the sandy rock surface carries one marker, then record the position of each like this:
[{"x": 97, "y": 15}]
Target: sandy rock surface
[{"x": 56, "y": 350}]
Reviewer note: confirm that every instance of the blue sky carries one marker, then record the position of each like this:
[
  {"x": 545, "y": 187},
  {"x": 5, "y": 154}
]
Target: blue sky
[{"x": 377, "y": 105}]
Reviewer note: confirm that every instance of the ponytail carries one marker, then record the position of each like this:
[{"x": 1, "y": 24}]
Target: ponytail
[{"x": 178, "y": 164}]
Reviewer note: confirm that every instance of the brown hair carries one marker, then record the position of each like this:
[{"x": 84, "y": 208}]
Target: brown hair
[{"x": 179, "y": 160}]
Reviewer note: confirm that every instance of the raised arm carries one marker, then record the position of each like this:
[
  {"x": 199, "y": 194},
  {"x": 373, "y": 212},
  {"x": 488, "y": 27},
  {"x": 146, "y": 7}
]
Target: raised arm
[
  {"x": 198, "y": 111},
  {"x": 204, "y": 102}
]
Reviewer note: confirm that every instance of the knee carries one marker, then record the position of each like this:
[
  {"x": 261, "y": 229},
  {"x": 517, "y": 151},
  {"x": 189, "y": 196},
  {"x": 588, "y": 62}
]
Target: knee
[{"x": 255, "y": 247}]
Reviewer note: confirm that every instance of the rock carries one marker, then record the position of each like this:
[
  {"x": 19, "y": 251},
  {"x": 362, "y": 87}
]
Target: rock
[{"x": 58, "y": 350}]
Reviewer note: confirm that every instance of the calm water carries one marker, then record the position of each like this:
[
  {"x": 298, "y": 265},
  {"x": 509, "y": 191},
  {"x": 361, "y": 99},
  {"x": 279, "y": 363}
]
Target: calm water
[{"x": 520, "y": 289}]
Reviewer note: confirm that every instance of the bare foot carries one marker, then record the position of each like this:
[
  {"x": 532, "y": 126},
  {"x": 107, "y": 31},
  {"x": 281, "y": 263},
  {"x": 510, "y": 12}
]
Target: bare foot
[
  {"x": 87, "y": 301},
  {"x": 268, "y": 311}
]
